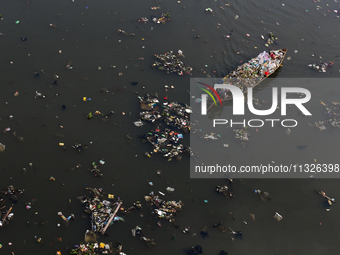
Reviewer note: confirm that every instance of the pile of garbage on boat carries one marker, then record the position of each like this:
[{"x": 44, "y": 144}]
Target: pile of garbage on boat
[{"x": 254, "y": 71}]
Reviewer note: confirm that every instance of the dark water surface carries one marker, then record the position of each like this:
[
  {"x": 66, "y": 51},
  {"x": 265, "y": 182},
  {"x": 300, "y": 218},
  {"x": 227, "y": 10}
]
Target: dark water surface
[{"x": 87, "y": 35}]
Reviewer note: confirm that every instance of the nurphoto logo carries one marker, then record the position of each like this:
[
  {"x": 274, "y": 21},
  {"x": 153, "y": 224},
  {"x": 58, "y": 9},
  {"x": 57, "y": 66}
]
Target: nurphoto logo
[{"x": 238, "y": 103}]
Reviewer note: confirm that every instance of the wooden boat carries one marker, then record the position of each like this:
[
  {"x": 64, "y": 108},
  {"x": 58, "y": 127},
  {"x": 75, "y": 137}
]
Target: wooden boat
[{"x": 252, "y": 73}]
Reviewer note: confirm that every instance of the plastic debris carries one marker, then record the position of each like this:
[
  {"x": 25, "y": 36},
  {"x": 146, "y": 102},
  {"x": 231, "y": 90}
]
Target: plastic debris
[
  {"x": 320, "y": 125},
  {"x": 163, "y": 209},
  {"x": 209, "y": 10},
  {"x": 278, "y": 217},
  {"x": 170, "y": 190},
  {"x": 242, "y": 134},
  {"x": 2, "y": 147},
  {"x": 39, "y": 95},
  {"x": 321, "y": 67},
  {"x": 211, "y": 136},
  {"x": 170, "y": 63},
  {"x": 92, "y": 249},
  {"x": 102, "y": 211},
  {"x": 163, "y": 18}
]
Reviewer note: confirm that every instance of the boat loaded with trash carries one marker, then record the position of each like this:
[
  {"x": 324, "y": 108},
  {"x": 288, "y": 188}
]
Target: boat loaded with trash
[{"x": 252, "y": 73}]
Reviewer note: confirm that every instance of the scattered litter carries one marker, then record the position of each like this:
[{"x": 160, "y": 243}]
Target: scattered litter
[
  {"x": 137, "y": 231},
  {"x": 242, "y": 134},
  {"x": 92, "y": 248},
  {"x": 163, "y": 209},
  {"x": 120, "y": 31},
  {"x": 321, "y": 67},
  {"x": 211, "y": 136}
]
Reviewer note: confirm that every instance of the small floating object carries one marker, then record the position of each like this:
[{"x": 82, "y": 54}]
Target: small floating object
[
  {"x": 169, "y": 189},
  {"x": 278, "y": 217}
]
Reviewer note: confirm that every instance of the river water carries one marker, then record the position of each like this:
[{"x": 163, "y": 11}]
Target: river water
[{"x": 86, "y": 34}]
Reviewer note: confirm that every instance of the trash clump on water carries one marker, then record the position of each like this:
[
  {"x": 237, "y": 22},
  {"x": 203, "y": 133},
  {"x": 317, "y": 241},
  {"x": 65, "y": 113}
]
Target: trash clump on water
[
  {"x": 92, "y": 249},
  {"x": 211, "y": 136},
  {"x": 333, "y": 116},
  {"x": 170, "y": 63},
  {"x": 321, "y": 67},
  {"x": 149, "y": 102},
  {"x": 242, "y": 134},
  {"x": 6, "y": 214},
  {"x": 272, "y": 39},
  {"x": 150, "y": 116},
  {"x": 103, "y": 212},
  {"x": 167, "y": 143},
  {"x": 175, "y": 115},
  {"x": 95, "y": 170},
  {"x": 163, "y": 209},
  {"x": 222, "y": 189},
  {"x": 162, "y": 19},
  {"x": 79, "y": 147}
]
